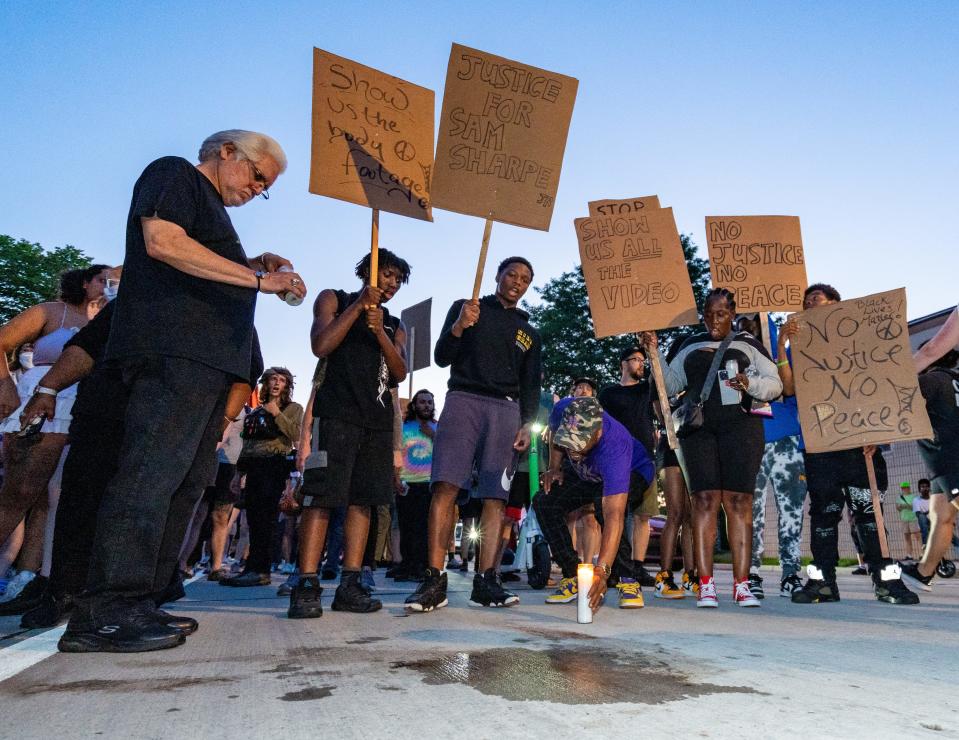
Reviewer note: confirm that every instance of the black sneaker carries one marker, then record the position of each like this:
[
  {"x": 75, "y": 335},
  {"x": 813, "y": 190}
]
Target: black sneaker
[
  {"x": 642, "y": 575},
  {"x": 247, "y": 578},
  {"x": 817, "y": 589},
  {"x": 888, "y": 585},
  {"x": 488, "y": 591},
  {"x": 124, "y": 629},
  {"x": 912, "y": 576},
  {"x": 431, "y": 593},
  {"x": 305, "y": 599},
  {"x": 756, "y": 586},
  {"x": 50, "y": 612},
  {"x": 27, "y": 599},
  {"x": 860, "y": 570},
  {"x": 789, "y": 585},
  {"x": 350, "y": 596},
  {"x": 186, "y": 625}
]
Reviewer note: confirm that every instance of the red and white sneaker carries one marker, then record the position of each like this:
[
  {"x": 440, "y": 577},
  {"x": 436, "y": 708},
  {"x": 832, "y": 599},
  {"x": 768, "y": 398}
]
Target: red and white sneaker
[
  {"x": 743, "y": 596},
  {"x": 707, "y": 594}
]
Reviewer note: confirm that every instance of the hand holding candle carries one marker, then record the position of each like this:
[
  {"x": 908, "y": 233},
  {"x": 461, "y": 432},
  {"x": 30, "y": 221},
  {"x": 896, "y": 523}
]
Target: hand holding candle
[{"x": 598, "y": 588}]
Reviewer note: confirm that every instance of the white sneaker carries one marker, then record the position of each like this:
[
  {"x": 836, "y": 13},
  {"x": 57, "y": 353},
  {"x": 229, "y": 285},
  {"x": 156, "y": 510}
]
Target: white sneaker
[
  {"x": 743, "y": 596},
  {"x": 707, "y": 595},
  {"x": 16, "y": 584}
]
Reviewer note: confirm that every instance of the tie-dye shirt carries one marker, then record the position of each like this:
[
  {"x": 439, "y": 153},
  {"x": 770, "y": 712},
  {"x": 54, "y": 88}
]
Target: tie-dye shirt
[{"x": 417, "y": 453}]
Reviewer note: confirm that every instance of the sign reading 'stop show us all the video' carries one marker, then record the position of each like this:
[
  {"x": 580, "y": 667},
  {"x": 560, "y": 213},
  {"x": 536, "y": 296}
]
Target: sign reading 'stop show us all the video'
[
  {"x": 372, "y": 137},
  {"x": 635, "y": 271},
  {"x": 502, "y": 137}
]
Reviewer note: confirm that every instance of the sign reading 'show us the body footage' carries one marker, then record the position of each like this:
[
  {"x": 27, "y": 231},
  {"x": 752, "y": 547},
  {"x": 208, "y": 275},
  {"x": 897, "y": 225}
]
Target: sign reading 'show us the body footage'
[
  {"x": 502, "y": 137},
  {"x": 372, "y": 137}
]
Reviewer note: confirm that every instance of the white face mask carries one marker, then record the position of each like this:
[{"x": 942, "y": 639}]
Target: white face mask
[
  {"x": 111, "y": 289},
  {"x": 26, "y": 360}
]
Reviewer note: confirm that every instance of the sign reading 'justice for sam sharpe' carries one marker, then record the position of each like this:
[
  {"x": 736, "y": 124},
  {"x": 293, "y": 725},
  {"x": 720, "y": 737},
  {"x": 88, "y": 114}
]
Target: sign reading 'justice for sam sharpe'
[{"x": 502, "y": 138}]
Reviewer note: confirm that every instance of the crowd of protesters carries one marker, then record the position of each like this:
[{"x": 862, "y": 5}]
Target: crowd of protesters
[{"x": 143, "y": 441}]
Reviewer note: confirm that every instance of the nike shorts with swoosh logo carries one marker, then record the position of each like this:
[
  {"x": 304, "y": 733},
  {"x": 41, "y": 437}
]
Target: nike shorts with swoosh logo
[{"x": 480, "y": 429}]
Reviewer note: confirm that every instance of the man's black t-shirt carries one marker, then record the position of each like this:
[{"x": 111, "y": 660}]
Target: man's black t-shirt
[
  {"x": 161, "y": 310},
  {"x": 940, "y": 388},
  {"x": 101, "y": 394},
  {"x": 357, "y": 384},
  {"x": 632, "y": 406}
]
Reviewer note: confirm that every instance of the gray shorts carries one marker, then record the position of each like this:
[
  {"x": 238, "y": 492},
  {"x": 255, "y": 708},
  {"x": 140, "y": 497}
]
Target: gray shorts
[{"x": 476, "y": 430}]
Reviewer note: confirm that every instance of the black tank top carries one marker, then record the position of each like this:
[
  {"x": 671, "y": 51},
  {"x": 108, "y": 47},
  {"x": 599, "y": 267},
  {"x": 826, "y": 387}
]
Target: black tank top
[{"x": 357, "y": 383}]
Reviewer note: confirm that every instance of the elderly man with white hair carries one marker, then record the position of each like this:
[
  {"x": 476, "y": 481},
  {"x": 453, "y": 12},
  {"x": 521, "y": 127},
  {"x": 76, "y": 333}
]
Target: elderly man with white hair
[{"x": 181, "y": 334}]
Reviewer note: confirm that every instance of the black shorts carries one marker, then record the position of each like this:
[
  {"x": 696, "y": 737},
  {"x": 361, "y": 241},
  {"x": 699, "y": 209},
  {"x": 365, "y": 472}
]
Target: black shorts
[
  {"x": 665, "y": 455},
  {"x": 519, "y": 491},
  {"x": 219, "y": 492},
  {"x": 348, "y": 465},
  {"x": 724, "y": 457}
]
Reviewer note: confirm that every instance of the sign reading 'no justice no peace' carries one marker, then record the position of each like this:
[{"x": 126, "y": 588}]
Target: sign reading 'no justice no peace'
[
  {"x": 372, "y": 137},
  {"x": 760, "y": 258},
  {"x": 502, "y": 137},
  {"x": 635, "y": 271},
  {"x": 855, "y": 378}
]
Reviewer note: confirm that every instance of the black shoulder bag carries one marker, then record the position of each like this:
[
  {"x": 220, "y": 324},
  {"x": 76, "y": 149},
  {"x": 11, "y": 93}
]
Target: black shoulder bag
[{"x": 688, "y": 418}]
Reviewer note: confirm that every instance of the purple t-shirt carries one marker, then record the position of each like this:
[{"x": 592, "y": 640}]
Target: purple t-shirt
[{"x": 614, "y": 459}]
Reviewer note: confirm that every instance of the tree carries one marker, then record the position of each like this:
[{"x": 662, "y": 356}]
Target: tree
[
  {"x": 30, "y": 275},
  {"x": 569, "y": 348}
]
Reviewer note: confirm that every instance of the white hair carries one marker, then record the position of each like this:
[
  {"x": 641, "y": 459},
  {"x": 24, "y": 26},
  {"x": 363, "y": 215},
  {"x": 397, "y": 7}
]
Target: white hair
[{"x": 250, "y": 144}]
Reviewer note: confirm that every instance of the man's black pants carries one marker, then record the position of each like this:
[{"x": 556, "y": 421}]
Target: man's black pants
[
  {"x": 172, "y": 423},
  {"x": 413, "y": 514},
  {"x": 551, "y": 510}
]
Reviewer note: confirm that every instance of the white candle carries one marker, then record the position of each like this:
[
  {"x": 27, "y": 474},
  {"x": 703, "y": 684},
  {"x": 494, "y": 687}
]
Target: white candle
[{"x": 584, "y": 581}]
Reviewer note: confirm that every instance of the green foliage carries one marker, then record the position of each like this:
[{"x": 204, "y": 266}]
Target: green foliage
[
  {"x": 569, "y": 348},
  {"x": 30, "y": 275}
]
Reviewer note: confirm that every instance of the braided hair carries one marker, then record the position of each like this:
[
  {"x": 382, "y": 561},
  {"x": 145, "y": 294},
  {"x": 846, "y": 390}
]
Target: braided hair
[{"x": 716, "y": 293}]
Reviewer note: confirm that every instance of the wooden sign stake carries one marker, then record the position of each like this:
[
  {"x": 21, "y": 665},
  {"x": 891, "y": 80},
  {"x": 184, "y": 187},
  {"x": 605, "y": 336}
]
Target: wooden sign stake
[
  {"x": 411, "y": 358},
  {"x": 375, "y": 248},
  {"x": 480, "y": 266},
  {"x": 660, "y": 382},
  {"x": 764, "y": 332},
  {"x": 877, "y": 507}
]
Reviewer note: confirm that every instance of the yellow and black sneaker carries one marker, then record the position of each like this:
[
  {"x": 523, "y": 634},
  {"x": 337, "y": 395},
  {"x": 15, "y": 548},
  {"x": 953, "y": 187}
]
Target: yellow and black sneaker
[
  {"x": 630, "y": 594},
  {"x": 565, "y": 593},
  {"x": 691, "y": 583},
  {"x": 666, "y": 587}
]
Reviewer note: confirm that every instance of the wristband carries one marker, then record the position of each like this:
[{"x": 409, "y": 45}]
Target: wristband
[
  {"x": 606, "y": 569},
  {"x": 259, "y": 275},
  {"x": 782, "y": 363},
  {"x": 43, "y": 390}
]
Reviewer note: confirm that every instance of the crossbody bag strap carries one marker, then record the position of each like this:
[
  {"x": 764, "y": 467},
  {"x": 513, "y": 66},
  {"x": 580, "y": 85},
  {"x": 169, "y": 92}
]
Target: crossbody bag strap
[{"x": 714, "y": 367}]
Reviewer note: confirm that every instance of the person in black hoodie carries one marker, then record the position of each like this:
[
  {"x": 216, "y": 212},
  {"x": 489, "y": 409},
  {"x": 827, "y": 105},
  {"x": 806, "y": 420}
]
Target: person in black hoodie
[{"x": 494, "y": 355}]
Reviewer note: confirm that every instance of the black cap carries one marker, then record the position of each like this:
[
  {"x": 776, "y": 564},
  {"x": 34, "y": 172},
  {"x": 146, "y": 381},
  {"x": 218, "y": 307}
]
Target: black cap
[{"x": 589, "y": 381}]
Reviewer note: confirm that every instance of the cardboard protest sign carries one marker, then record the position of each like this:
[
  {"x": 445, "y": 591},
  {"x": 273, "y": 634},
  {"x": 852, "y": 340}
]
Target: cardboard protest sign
[
  {"x": 502, "y": 137},
  {"x": 635, "y": 272},
  {"x": 626, "y": 205},
  {"x": 760, "y": 258},
  {"x": 372, "y": 137},
  {"x": 416, "y": 319},
  {"x": 856, "y": 383}
]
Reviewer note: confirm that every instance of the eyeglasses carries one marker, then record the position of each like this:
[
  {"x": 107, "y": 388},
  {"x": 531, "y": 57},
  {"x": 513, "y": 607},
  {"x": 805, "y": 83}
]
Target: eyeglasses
[{"x": 258, "y": 176}]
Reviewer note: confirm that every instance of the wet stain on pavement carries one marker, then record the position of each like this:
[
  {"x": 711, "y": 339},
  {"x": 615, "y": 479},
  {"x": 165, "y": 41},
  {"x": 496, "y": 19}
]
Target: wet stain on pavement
[
  {"x": 571, "y": 675},
  {"x": 118, "y": 686},
  {"x": 391, "y": 688},
  {"x": 173, "y": 709},
  {"x": 365, "y": 640},
  {"x": 556, "y": 635},
  {"x": 308, "y": 694},
  {"x": 284, "y": 668},
  {"x": 522, "y": 639}
]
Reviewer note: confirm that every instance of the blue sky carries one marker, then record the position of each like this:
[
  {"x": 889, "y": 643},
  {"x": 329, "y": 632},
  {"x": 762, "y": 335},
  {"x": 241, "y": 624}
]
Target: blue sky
[{"x": 841, "y": 113}]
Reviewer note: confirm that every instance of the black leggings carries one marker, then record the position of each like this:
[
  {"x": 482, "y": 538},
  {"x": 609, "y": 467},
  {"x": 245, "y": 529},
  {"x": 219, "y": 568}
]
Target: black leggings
[
  {"x": 413, "y": 513},
  {"x": 265, "y": 480}
]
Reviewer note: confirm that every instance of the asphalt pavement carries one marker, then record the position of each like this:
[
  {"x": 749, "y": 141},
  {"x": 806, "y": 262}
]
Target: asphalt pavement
[{"x": 854, "y": 669}]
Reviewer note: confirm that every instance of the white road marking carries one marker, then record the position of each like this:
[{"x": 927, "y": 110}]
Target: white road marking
[{"x": 21, "y": 655}]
